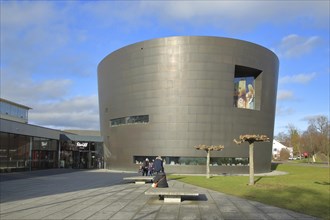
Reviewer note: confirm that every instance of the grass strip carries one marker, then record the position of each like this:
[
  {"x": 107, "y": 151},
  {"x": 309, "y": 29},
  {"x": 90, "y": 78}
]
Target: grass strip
[{"x": 306, "y": 189}]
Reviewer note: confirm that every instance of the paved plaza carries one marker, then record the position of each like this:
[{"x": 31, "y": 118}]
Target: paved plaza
[{"x": 100, "y": 194}]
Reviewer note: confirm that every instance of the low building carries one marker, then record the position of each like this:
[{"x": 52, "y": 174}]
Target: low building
[
  {"x": 24, "y": 146},
  {"x": 277, "y": 148}
]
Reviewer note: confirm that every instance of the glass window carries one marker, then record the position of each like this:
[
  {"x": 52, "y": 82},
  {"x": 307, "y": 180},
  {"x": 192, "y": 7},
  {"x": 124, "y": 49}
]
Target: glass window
[
  {"x": 53, "y": 145},
  {"x": 4, "y": 146},
  {"x": 138, "y": 119},
  {"x": 214, "y": 161},
  {"x": 5, "y": 108},
  {"x": 12, "y": 150},
  {"x": 129, "y": 120},
  {"x": 22, "y": 113},
  {"x": 12, "y": 110},
  {"x": 229, "y": 161},
  {"x": 117, "y": 121}
]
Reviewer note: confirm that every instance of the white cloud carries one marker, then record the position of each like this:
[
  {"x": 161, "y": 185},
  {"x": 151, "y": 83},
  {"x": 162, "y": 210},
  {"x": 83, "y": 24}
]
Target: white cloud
[
  {"x": 299, "y": 78},
  {"x": 74, "y": 113},
  {"x": 42, "y": 30},
  {"x": 284, "y": 111},
  {"x": 39, "y": 60},
  {"x": 243, "y": 15},
  {"x": 234, "y": 16},
  {"x": 23, "y": 14},
  {"x": 293, "y": 45},
  {"x": 285, "y": 95},
  {"x": 24, "y": 90}
]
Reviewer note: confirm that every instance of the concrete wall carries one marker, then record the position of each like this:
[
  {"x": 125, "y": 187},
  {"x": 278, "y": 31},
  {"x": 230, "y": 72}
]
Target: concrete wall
[{"x": 186, "y": 86}]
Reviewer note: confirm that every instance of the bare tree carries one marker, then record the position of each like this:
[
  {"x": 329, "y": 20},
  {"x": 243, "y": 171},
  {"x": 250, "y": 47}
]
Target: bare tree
[
  {"x": 314, "y": 140},
  {"x": 208, "y": 149},
  {"x": 251, "y": 139},
  {"x": 283, "y": 138},
  {"x": 318, "y": 131},
  {"x": 294, "y": 138}
]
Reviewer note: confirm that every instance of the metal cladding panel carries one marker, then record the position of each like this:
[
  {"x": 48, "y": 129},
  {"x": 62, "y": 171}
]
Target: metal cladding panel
[
  {"x": 13, "y": 127},
  {"x": 186, "y": 86}
]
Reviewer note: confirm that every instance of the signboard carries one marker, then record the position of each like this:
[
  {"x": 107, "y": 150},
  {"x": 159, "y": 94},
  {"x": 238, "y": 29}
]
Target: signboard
[{"x": 82, "y": 145}]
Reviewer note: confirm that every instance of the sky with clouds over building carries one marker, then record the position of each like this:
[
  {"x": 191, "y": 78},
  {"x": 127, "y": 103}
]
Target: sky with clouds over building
[{"x": 50, "y": 50}]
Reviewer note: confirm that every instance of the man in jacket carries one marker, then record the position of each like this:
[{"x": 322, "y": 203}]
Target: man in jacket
[{"x": 158, "y": 165}]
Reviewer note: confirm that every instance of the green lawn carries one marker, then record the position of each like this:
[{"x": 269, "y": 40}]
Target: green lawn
[{"x": 306, "y": 189}]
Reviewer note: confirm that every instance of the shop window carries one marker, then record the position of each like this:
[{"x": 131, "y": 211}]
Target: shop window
[
  {"x": 247, "y": 88},
  {"x": 4, "y": 143}
]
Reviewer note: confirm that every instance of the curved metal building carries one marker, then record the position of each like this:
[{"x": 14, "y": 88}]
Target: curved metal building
[{"x": 162, "y": 97}]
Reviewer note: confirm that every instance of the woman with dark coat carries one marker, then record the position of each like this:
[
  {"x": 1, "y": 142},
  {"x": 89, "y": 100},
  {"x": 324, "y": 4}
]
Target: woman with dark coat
[{"x": 161, "y": 180}]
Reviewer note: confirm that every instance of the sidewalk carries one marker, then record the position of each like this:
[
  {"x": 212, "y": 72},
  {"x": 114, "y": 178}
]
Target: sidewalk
[{"x": 100, "y": 194}]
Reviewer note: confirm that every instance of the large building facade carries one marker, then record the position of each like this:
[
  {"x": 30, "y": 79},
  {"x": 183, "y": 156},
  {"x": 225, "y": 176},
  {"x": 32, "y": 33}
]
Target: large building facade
[{"x": 164, "y": 96}]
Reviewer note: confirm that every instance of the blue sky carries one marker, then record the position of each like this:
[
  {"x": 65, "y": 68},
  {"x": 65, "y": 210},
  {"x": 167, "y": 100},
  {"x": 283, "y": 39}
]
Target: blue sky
[{"x": 50, "y": 50}]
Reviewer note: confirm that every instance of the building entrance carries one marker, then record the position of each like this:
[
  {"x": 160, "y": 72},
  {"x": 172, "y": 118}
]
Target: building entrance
[{"x": 78, "y": 155}]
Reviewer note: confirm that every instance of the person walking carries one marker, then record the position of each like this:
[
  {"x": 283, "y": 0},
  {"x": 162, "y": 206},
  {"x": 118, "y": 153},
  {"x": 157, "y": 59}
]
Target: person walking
[
  {"x": 150, "y": 168},
  {"x": 145, "y": 167}
]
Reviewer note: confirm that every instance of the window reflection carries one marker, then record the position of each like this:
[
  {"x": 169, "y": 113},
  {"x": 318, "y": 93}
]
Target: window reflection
[
  {"x": 214, "y": 161},
  {"x": 12, "y": 110},
  {"x": 129, "y": 120},
  {"x": 15, "y": 152}
]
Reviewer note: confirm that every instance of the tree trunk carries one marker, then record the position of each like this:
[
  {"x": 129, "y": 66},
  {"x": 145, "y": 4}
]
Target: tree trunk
[
  {"x": 251, "y": 164},
  {"x": 208, "y": 164}
]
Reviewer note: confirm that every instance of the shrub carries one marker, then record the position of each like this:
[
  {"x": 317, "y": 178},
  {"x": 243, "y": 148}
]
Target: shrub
[{"x": 284, "y": 154}]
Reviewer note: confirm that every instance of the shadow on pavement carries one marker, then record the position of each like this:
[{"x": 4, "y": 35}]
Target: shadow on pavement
[
  {"x": 18, "y": 186},
  {"x": 35, "y": 173}
]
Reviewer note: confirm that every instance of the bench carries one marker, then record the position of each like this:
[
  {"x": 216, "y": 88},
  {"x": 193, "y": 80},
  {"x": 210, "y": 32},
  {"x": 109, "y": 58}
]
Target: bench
[
  {"x": 139, "y": 179},
  {"x": 171, "y": 195}
]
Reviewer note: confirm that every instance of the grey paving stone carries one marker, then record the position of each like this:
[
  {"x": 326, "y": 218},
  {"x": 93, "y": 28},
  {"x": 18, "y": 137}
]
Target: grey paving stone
[
  {"x": 299, "y": 215},
  {"x": 123, "y": 215},
  {"x": 281, "y": 216},
  {"x": 59, "y": 215},
  {"x": 85, "y": 213},
  {"x": 145, "y": 215},
  {"x": 166, "y": 216},
  {"x": 189, "y": 212},
  {"x": 103, "y": 195},
  {"x": 104, "y": 214},
  {"x": 257, "y": 216},
  {"x": 190, "y": 215},
  {"x": 114, "y": 207},
  {"x": 170, "y": 208},
  {"x": 232, "y": 216},
  {"x": 228, "y": 208},
  {"x": 211, "y": 216}
]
